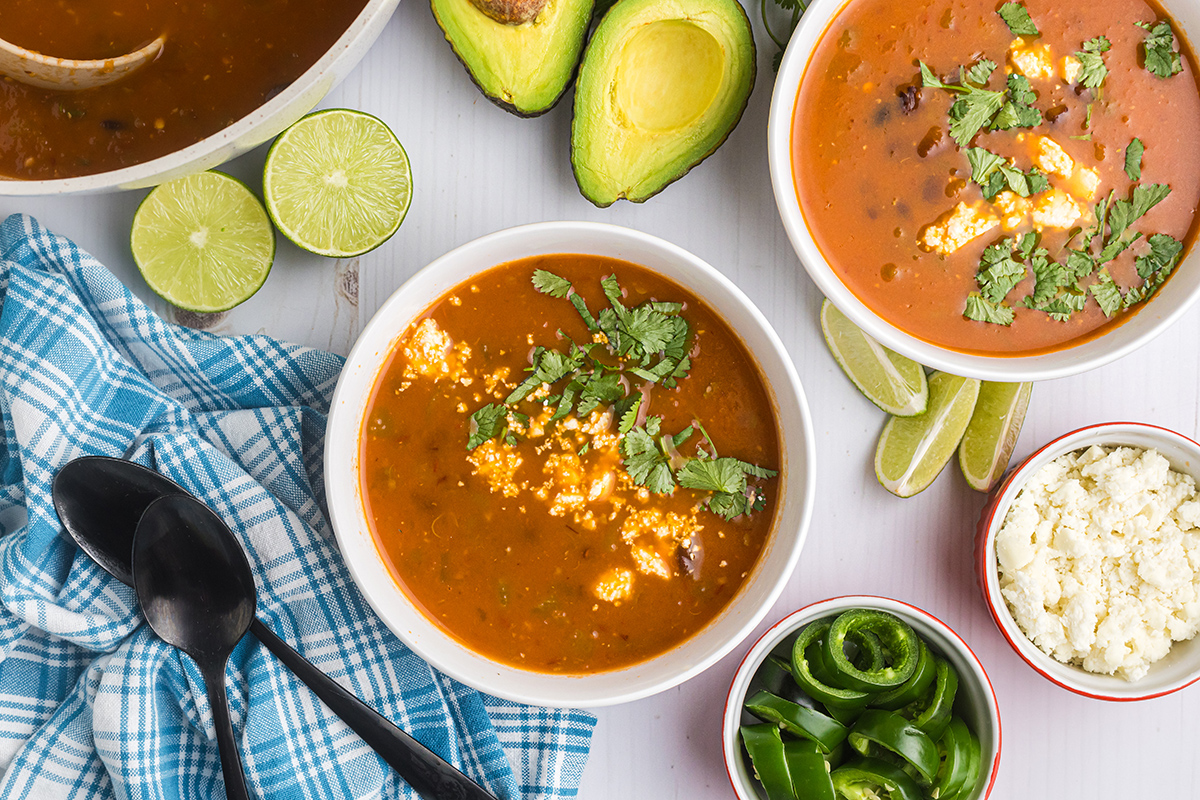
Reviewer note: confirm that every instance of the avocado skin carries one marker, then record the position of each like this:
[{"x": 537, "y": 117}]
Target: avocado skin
[
  {"x": 734, "y": 116},
  {"x": 583, "y": 12}
]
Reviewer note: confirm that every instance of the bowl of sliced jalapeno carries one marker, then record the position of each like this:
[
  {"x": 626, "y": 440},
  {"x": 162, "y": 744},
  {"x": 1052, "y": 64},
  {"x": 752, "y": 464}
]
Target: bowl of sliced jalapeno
[{"x": 861, "y": 697}]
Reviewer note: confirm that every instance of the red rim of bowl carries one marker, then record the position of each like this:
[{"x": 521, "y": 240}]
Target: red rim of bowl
[
  {"x": 991, "y": 691},
  {"x": 985, "y": 535}
]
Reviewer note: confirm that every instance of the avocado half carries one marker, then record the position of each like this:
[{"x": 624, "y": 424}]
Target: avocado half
[
  {"x": 662, "y": 84},
  {"x": 521, "y": 54}
]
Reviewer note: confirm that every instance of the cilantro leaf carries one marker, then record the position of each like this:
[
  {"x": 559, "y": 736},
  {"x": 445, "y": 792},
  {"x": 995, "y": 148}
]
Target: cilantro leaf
[
  {"x": 1124, "y": 213},
  {"x": 551, "y": 284},
  {"x": 1107, "y": 293},
  {"x": 1162, "y": 258},
  {"x": 975, "y": 107},
  {"x": 1017, "y": 19},
  {"x": 993, "y": 173},
  {"x": 599, "y": 389},
  {"x": 1133, "y": 159},
  {"x": 1091, "y": 60},
  {"x": 999, "y": 273},
  {"x": 979, "y": 72},
  {"x": 1161, "y": 58},
  {"x": 713, "y": 475},
  {"x": 488, "y": 422},
  {"x": 980, "y": 309},
  {"x": 983, "y": 164},
  {"x": 646, "y": 464},
  {"x": 1049, "y": 276},
  {"x": 1018, "y": 110},
  {"x": 1065, "y": 303},
  {"x": 629, "y": 417}
]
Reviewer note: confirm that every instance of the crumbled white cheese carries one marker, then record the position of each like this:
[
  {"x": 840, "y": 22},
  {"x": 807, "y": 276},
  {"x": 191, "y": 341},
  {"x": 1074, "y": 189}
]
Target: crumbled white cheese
[
  {"x": 961, "y": 225},
  {"x": 431, "y": 353},
  {"x": 1032, "y": 61},
  {"x": 1099, "y": 559},
  {"x": 615, "y": 586},
  {"x": 1052, "y": 159},
  {"x": 1071, "y": 67},
  {"x": 1013, "y": 209},
  {"x": 1055, "y": 209}
]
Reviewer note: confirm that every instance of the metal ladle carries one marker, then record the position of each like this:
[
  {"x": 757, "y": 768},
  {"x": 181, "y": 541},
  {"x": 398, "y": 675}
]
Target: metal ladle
[
  {"x": 70, "y": 74},
  {"x": 100, "y": 501}
]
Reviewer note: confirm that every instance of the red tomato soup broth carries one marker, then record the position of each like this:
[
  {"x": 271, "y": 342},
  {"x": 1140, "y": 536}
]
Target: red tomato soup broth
[
  {"x": 890, "y": 196},
  {"x": 537, "y": 546}
]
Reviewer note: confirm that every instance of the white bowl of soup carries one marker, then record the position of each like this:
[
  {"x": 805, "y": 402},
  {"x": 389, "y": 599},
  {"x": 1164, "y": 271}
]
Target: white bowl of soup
[
  {"x": 570, "y": 464},
  {"x": 996, "y": 221},
  {"x": 231, "y": 75}
]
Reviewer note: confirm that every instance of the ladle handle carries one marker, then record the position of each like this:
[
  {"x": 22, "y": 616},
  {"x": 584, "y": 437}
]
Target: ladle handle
[
  {"x": 427, "y": 773},
  {"x": 231, "y": 760}
]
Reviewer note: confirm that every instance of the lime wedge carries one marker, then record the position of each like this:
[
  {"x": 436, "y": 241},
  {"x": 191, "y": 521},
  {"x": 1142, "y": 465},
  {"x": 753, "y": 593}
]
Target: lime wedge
[
  {"x": 203, "y": 242},
  {"x": 889, "y": 380},
  {"x": 913, "y": 450},
  {"x": 337, "y": 183},
  {"x": 992, "y": 432}
]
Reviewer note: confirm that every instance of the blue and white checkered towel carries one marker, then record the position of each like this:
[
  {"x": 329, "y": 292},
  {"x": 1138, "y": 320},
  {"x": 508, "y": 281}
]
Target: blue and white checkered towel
[{"x": 92, "y": 703}]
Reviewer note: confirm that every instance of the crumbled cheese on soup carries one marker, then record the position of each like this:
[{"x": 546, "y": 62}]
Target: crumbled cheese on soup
[
  {"x": 1099, "y": 559},
  {"x": 497, "y": 463},
  {"x": 431, "y": 353},
  {"x": 1071, "y": 67},
  {"x": 1032, "y": 61},
  {"x": 1051, "y": 158},
  {"x": 964, "y": 223},
  {"x": 615, "y": 586},
  {"x": 1055, "y": 209}
]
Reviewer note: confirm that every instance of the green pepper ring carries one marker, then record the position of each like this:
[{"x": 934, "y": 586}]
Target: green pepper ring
[
  {"x": 802, "y": 671},
  {"x": 897, "y": 636},
  {"x": 896, "y": 735}
]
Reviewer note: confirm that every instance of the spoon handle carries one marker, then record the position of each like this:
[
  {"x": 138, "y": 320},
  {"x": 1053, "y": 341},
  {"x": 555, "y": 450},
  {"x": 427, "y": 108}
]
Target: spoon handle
[
  {"x": 231, "y": 761},
  {"x": 426, "y": 772}
]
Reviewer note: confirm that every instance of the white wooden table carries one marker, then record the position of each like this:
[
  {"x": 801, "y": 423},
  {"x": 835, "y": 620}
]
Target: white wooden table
[{"x": 478, "y": 169}]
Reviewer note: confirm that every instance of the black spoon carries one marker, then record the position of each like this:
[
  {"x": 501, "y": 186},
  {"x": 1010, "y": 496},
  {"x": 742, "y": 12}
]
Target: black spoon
[
  {"x": 100, "y": 501},
  {"x": 197, "y": 593}
]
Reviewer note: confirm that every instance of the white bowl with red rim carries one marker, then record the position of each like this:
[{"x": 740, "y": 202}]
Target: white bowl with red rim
[
  {"x": 975, "y": 701},
  {"x": 434, "y": 643},
  {"x": 1170, "y": 303},
  {"x": 1181, "y": 666}
]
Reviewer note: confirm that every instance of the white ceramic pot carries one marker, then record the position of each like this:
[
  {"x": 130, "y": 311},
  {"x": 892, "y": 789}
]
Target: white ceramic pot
[
  {"x": 344, "y": 487},
  {"x": 1168, "y": 305},
  {"x": 975, "y": 700},
  {"x": 265, "y": 122},
  {"x": 1181, "y": 666}
]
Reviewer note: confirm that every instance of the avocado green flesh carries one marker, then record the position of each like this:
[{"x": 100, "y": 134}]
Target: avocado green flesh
[
  {"x": 661, "y": 86},
  {"x": 522, "y": 68}
]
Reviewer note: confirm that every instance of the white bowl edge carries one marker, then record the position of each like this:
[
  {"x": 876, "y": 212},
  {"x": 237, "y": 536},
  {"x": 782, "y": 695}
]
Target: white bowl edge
[
  {"x": 705, "y": 648},
  {"x": 1181, "y": 666},
  {"x": 1170, "y": 303}
]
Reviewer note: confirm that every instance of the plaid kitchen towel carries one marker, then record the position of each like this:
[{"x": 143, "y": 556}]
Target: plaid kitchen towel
[{"x": 92, "y": 703}]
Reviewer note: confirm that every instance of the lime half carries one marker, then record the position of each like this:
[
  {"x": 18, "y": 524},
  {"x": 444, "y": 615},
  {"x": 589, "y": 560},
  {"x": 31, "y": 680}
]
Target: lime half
[
  {"x": 889, "y": 380},
  {"x": 337, "y": 183},
  {"x": 991, "y": 436},
  {"x": 203, "y": 242},
  {"x": 913, "y": 450}
]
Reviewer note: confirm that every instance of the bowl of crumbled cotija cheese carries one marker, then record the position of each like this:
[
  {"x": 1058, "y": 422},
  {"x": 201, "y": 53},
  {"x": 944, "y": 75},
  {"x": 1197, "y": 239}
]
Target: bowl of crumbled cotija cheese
[{"x": 1088, "y": 556}]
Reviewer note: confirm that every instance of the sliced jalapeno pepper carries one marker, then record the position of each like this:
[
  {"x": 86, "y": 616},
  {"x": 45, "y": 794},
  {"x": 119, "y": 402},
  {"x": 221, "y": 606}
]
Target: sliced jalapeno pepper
[
  {"x": 806, "y": 649},
  {"x": 954, "y": 749},
  {"x": 868, "y": 650},
  {"x": 846, "y": 716},
  {"x": 806, "y": 766},
  {"x": 897, "y": 636},
  {"x": 765, "y": 747},
  {"x": 932, "y": 713},
  {"x": 914, "y": 687},
  {"x": 870, "y": 778},
  {"x": 896, "y": 735},
  {"x": 798, "y": 720}
]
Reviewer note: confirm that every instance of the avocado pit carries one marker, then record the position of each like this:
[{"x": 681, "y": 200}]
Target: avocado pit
[{"x": 511, "y": 12}]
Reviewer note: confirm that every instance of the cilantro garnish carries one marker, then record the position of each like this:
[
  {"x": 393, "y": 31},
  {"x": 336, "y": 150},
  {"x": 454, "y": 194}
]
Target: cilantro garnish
[
  {"x": 1017, "y": 18},
  {"x": 994, "y": 174},
  {"x": 1107, "y": 294},
  {"x": 1091, "y": 60},
  {"x": 1133, "y": 159},
  {"x": 980, "y": 309},
  {"x": 977, "y": 108},
  {"x": 1161, "y": 58},
  {"x": 649, "y": 342}
]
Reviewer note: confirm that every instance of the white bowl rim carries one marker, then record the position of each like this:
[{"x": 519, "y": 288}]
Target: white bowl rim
[
  {"x": 145, "y": 172},
  {"x": 378, "y": 335},
  {"x": 1128, "y": 336},
  {"x": 731, "y": 718},
  {"x": 1107, "y": 434}
]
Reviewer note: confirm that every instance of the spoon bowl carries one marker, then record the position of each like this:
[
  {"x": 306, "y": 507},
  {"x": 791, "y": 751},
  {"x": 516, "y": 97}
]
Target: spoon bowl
[
  {"x": 197, "y": 593},
  {"x": 71, "y": 74}
]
